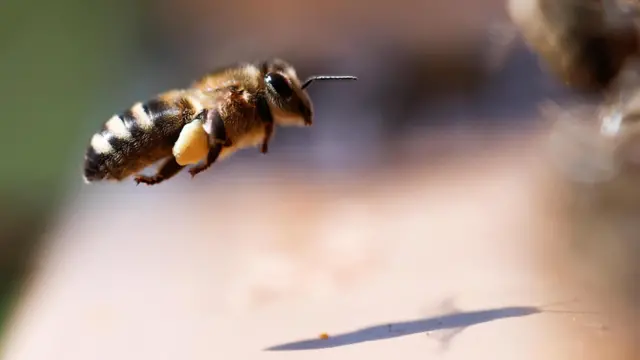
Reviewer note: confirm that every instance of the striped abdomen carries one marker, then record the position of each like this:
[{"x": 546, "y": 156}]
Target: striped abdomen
[{"x": 138, "y": 137}]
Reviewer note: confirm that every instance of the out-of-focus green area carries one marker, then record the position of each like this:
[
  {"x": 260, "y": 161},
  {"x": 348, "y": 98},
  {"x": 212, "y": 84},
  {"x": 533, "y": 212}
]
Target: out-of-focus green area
[{"x": 56, "y": 61}]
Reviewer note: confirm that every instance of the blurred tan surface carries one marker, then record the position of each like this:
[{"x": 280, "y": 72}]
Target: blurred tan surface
[{"x": 231, "y": 268}]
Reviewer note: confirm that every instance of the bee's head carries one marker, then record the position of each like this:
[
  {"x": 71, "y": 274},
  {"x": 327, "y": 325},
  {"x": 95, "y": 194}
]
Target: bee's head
[{"x": 288, "y": 100}]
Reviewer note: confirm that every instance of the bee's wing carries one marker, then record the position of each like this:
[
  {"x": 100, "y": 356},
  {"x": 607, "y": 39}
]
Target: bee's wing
[
  {"x": 210, "y": 82},
  {"x": 229, "y": 100},
  {"x": 224, "y": 109},
  {"x": 220, "y": 77}
]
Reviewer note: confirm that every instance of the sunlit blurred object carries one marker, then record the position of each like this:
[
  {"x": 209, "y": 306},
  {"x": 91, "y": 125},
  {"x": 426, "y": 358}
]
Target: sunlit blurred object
[
  {"x": 597, "y": 150},
  {"x": 576, "y": 147},
  {"x": 584, "y": 43},
  {"x": 596, "y": 142}
]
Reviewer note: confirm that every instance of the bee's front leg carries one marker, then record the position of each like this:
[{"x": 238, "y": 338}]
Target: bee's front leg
[
  {"x": 218, "y": 140},
  {"x": 264, "y": 112}
]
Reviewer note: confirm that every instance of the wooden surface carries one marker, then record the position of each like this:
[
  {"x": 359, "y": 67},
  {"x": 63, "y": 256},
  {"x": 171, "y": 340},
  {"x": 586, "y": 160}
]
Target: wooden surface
[{"x": 426, "y": 262}]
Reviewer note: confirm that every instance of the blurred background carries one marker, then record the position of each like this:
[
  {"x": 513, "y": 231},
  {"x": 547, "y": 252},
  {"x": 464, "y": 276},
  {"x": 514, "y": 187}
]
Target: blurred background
[{"x": 429, "y": 176}]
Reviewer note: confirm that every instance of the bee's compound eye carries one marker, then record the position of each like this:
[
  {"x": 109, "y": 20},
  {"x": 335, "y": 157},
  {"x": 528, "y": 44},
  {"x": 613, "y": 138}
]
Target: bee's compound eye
[{"x": 280, "y": 84}]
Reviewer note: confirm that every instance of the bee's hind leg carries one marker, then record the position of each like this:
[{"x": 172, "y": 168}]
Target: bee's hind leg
[
  {"x": 212, "y": 156},
  {"x": 218, "y": 140},
  {"x": 167, "y": 170}
]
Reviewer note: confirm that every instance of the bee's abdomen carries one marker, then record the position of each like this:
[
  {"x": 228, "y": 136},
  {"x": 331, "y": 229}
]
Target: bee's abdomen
[{"x": 138, "y": 137}]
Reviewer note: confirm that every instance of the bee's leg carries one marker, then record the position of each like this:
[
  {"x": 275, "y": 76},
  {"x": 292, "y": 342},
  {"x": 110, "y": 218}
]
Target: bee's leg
[
  {"x": 167, "y": 170},
  {"x": 262, "y": 106},
  {"x": 268, "y": 131},
  {"x": 214, "y": 126},
  {"x": 218, "y": 140},
  {"x": 212, "y": 156}
]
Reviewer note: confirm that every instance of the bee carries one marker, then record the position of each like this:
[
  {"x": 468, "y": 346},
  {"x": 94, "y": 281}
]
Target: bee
[
  {"x": 226, "y": 110},
  {"x": 584, "y": 43}
]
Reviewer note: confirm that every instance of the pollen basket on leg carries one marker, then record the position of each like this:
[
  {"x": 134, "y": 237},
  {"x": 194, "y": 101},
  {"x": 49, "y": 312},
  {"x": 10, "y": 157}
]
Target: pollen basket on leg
[
  {"x": 192, "y": 144},
  {"x": 100, "y": 144},
  {"x": 142, "y": 118},
  {"x": 116, "y": 126}
]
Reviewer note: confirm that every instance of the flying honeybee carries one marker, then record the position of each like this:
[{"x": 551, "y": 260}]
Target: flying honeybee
[
  {"x": 227, "y": 110},
  {"x": 584, "y": 43}
]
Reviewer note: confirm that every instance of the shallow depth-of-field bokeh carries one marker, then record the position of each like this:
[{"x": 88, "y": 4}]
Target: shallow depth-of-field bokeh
[{"x": 424, "y": 189}]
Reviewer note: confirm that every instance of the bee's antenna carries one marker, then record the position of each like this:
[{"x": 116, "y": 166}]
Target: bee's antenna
[{"x": 327, "y": 77}]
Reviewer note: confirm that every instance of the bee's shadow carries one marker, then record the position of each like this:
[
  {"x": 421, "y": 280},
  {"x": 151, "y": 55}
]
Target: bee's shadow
[{"x": 456, "y": 321}]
